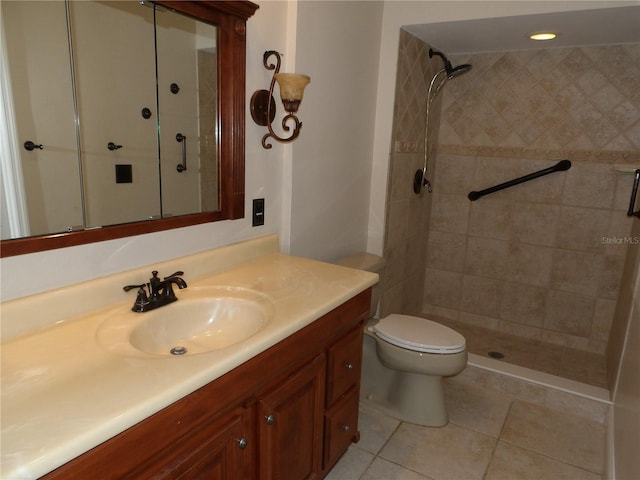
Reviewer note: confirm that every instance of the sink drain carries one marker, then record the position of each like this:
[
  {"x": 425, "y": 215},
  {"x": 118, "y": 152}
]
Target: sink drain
[
  {"x": 494, "y": 354},
  {"x": 179, "y": 350}
]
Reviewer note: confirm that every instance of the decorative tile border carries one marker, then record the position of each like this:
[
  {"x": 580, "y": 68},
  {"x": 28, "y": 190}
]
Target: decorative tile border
[{"x": 515, "y": 153}]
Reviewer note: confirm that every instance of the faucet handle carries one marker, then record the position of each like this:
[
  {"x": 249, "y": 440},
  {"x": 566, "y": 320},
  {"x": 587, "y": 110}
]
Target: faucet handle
[
  {"x": 179, "y": 273},
  {"x": 131, "y": 287}
]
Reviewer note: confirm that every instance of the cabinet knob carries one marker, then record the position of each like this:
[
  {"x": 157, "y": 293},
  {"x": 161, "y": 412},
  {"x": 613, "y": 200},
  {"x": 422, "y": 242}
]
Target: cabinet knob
[
  {"x": 349, "y": 366},
  {"x": 346, "y": 428},
  {"x": 242, "y": 443},
  {"x": 29, "y": 145},
  {"x": 270, "y": 419}
]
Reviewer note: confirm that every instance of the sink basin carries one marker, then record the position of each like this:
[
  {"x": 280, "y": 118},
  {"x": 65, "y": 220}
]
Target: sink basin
[{"x": 202, "y": 320}]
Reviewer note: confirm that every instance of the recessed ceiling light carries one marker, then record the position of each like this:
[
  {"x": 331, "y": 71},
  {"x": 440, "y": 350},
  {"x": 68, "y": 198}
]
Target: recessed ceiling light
[{"x": 542, "y": 36}]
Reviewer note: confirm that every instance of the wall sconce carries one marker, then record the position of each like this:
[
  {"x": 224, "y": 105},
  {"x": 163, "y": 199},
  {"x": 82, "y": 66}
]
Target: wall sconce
[{"x": 263, "y": 106}]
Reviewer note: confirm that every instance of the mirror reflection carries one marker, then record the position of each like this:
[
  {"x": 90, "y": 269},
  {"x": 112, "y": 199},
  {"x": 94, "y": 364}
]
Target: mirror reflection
[{"x": 119, "y": 102}]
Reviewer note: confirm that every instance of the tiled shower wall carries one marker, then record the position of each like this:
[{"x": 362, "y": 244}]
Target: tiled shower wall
[
  {"x": 542, "y": 259},
  {"x": 408, "y": 214}
]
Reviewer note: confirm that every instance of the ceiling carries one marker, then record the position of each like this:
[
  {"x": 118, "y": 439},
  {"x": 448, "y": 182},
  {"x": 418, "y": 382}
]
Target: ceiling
[{"x": 575, "y": 28}]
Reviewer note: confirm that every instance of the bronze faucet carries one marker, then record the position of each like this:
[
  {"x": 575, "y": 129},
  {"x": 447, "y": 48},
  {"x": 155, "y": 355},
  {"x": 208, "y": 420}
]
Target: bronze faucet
[{"x": 160, "y": 292}]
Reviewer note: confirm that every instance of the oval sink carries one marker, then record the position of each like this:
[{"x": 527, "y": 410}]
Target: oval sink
[{"x": 202, "y": 320}]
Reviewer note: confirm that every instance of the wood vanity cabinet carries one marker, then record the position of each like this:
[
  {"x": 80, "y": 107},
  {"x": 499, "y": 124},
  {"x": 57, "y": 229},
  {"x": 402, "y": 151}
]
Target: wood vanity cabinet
[
  {"x": 289, "y": 413},
  {"x": 290, "y": 421},
  {"x": 215, "y": 452}
]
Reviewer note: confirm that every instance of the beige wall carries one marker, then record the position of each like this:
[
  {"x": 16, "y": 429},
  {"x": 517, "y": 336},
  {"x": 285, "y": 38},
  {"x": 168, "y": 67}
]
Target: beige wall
[
  {"x": 543, "y": 259},
  {"x": 624, "y": 357}
]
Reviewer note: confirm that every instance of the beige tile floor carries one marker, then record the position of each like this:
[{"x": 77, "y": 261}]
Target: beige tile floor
[
  {"x": 565, "y": 362},
  {"x": 490, "y": 436}
]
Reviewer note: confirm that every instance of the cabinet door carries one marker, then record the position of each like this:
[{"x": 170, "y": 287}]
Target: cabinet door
[
  {"x": 221, "y": 450},
  {"x": 290, "y": 425}
]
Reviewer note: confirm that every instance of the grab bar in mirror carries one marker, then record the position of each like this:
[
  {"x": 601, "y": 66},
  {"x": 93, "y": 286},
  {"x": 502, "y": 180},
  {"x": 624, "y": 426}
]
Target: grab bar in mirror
[
  {"x": 558, "y": 167},
  {"x": 182, "y": 139}
]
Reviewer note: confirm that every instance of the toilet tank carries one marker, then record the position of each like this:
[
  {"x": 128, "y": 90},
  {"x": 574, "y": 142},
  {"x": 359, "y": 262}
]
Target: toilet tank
[{"x": 370, "y": 263}]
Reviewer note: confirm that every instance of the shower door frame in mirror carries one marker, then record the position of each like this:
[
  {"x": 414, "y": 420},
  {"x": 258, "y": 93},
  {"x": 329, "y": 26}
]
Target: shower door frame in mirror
[{"x": 229, "y": 17}]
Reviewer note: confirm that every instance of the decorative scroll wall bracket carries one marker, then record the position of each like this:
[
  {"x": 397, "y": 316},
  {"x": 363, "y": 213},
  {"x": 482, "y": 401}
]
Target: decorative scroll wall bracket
[{"x": 263, "y": 106}]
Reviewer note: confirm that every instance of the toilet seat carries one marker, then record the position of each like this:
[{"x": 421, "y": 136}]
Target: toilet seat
[{"x": 419, "y": 334}]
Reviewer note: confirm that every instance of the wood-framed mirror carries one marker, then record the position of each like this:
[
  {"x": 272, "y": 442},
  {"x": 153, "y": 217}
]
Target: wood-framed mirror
[{"x": 229, "y": 19}]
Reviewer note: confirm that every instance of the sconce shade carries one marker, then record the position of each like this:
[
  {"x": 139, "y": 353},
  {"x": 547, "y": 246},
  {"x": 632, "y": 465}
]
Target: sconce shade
[{"x": 292, "y": 89}]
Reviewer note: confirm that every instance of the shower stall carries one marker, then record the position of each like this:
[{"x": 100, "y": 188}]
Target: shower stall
[{"x": 529, "y": 274}]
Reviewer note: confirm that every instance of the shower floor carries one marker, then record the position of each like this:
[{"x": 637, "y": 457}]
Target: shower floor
[{"x": 578, "y": 365}]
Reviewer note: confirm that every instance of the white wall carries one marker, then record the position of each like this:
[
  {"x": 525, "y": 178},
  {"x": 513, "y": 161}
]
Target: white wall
[
  {"x": 338, "y": 45},
  {"x": 315, "y": 198}
]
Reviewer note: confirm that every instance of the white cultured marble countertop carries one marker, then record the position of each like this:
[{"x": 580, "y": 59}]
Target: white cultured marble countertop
[{"x": 63, "y": 393}]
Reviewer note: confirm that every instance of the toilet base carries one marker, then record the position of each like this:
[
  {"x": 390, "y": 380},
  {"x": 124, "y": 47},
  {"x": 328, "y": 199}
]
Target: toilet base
[
  {"x": 420, "y": 398},
  {"x": 411, "y": 400}
]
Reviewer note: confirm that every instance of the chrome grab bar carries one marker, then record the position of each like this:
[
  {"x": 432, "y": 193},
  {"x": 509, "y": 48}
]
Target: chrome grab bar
[{"x": 182, "y": 139}]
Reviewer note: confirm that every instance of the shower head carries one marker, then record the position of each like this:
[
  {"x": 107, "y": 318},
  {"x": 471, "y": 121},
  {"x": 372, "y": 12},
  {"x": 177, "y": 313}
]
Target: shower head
[
  {"x": 452, "y": 72},
  {"x": 457, "y": 71}
]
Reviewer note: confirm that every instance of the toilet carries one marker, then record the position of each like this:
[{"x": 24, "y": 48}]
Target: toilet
[{"x": 405, "y": 358}]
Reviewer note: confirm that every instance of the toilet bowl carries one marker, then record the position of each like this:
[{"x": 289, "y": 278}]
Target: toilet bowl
[{"x": 405, "y": 359}]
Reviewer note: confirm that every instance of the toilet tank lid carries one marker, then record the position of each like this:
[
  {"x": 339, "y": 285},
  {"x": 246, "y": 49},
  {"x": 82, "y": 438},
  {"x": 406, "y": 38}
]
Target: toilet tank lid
[
  {"x": 419, "y": 334},
  {"x": 363, "y": 261}
]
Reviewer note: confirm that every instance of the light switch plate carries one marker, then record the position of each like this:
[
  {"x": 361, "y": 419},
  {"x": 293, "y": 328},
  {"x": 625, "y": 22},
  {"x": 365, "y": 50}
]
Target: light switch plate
[{"x": 258, "y": 212}]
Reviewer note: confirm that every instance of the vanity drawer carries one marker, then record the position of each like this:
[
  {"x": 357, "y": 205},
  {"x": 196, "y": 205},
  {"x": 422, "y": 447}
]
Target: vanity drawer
[
  {"x": 344, "y": 365},
  {"x": 340, "y": 427}
]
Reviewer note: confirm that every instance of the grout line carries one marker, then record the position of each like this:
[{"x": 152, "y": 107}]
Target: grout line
[
  {"x": 366, "y": 469},
  {"x": 400, "y": 422},
  {"x": 506, "y": 417},
  {"x": 498, "y": 439}
]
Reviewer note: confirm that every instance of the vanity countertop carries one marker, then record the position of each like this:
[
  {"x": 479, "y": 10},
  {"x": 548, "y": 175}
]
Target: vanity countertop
[{"x": 63, "y": 393}]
